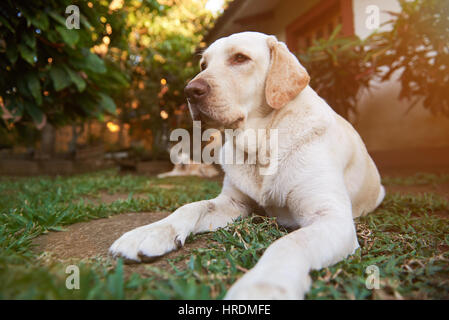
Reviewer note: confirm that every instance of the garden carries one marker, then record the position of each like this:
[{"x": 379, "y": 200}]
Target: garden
[{"x": 86, "y": 114}]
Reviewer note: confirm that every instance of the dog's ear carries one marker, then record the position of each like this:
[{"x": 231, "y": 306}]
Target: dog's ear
[{"x": 286, "y": 77}]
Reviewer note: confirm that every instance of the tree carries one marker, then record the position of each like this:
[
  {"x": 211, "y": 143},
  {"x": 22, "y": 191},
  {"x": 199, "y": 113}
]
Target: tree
[
  {"x": 161, "y": 62},
  {"x": 339, "y": 68},
  {"x": 136, "y": 55},
  {"x": 52, "y": 72}
]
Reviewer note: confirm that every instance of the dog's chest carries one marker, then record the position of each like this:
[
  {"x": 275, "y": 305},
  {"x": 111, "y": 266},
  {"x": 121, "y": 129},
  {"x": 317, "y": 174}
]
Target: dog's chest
[
  {"x": 252, "y": 179},
  {"x": 247, "y": 179},
  {"x": 262, "y": 189}
]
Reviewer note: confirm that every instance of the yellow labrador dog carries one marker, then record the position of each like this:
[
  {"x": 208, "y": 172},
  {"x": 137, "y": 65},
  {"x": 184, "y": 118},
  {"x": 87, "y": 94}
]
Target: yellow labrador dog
[{"x": 324, "y": 176}]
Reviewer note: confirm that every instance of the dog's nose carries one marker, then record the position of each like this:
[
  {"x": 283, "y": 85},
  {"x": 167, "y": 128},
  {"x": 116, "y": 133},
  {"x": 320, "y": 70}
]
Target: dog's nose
[{"x": 197, "y": 90}]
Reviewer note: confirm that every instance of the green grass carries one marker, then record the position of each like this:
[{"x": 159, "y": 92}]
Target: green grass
[{"x": 403, "y": 238}]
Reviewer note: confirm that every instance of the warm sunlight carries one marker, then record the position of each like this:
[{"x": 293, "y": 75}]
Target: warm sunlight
[{"x": 215, "y": 6}]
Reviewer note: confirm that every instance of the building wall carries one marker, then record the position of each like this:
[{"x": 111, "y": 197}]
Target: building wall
[
  {"x": 360, "y": 15},
  {"x": 385, "y": 123}
]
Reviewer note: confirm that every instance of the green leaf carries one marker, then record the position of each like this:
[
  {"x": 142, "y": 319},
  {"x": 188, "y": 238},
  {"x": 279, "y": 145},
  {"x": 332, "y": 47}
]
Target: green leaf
[
  {"x": 119, "y": 77},
  {"x": 85, "y": 22},
  {"x": 57, "y": 17},
  {"x": 22, "y": 87},
  {"x": 11, "y": 53},
  {"x": 95, "y": 63},
  {"x": 335, "y": 32},
  {"x": 52, "y": 36},
  {"x": 70, "y": 37},
  {"x": 115, "y": 281},
  {"x": 107, "y": 103},
  {"x": 57, "y": 228},
  {"x": 6, "y": 23},
  {"x": 59, "y": 77},
  {"x": 26, "y": 53},
  {"x": 76, "y": 79},
  {"x": 40, "y": 21},
  {"x": 35, "y": 112},
  {"x": 29, "y": 39},
  {"x": 34, "y": 86}
]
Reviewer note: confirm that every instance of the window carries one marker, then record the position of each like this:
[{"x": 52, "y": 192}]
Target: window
[{"x": 319, "y": 22}]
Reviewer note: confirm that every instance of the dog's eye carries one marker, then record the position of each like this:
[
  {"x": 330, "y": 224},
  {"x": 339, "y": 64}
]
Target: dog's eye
[
  {"x": 203, "y": 66},
  {"x": 239, "y": 58}
]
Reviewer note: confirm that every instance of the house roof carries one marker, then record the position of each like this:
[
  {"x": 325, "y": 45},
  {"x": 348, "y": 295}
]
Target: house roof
[{"x": 238, "y": 17}]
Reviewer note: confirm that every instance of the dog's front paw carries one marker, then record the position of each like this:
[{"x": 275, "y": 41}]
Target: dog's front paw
[
  {"x": 252, "y": 287},
  {"x": 147, "y": 243}
]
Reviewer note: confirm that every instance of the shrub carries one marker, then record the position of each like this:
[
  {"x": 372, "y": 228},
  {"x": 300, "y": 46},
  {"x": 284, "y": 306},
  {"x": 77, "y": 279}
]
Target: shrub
[{"x": 339, "y": 68}]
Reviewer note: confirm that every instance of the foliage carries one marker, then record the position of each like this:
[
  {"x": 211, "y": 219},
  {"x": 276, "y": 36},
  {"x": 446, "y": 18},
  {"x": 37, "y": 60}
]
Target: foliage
[
  {"x": 418, "y": 48},
  {"x": 51, "y": 72},
  {"x": 162, "y": 48},
  {"x": 405, "y": 238},
  {"x": 136, "y": 55},
  {"x": 339, "y": 69}
]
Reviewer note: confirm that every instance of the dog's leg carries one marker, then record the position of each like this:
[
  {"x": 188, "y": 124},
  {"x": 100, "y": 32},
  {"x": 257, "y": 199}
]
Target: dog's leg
[
  {"x": 327, "y": 236},
  {"x": 148, "y": 242},
  {"x": 168, "y": 174},
  {"x": 176, "y": 171}
]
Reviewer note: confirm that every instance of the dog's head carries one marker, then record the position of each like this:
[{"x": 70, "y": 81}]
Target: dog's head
[{"x": 243, "y": 74}]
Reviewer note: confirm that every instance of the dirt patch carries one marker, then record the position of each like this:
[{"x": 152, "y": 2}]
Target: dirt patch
[
  {"x": 165, "y": 186},
  {"x": 442, "y": 214},
  {"x": 92, "y": 239},
  {"x": 106, "y": 198}
]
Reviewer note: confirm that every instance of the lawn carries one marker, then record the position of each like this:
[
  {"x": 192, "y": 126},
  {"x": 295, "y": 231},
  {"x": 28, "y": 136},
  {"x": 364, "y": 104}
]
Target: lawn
[{"x": 407, "y": 238}]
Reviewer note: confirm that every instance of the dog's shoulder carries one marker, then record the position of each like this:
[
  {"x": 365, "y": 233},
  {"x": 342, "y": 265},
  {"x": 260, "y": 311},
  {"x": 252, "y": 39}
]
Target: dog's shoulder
[{"x": 303, "y": 121}]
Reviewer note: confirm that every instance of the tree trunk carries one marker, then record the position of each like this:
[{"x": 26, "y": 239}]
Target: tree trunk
[
  {"x": 48, "y": 141},
  {"x": 121, "y": 136},
  {"x": 72, "y": 143}
]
